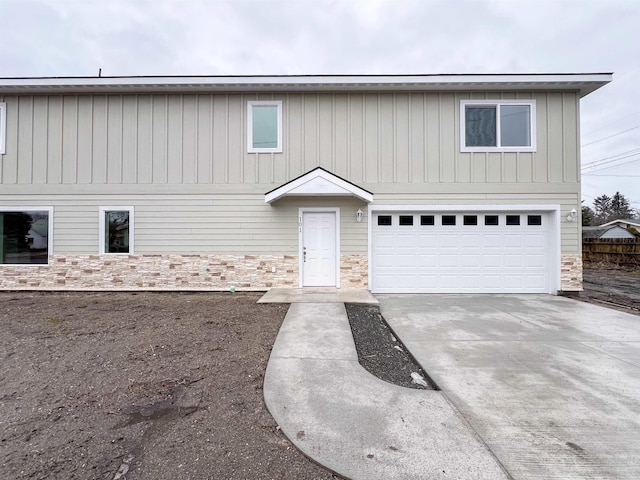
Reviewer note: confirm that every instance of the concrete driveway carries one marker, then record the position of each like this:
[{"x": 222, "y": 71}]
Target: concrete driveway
[{"x": 551, "y": 385}]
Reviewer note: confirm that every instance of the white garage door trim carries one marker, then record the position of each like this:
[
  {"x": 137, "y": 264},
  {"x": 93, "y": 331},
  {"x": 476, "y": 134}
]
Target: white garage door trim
[{"x": 552, "y": 210}]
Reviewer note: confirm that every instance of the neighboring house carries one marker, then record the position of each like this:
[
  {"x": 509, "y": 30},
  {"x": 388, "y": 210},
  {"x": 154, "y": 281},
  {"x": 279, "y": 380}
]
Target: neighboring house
[
  {"x": 624, "y": 223},
  {"x": 606, "y": 232},
  {"x": 38, "y": 236},
  {"x": 396, "y": 183}
]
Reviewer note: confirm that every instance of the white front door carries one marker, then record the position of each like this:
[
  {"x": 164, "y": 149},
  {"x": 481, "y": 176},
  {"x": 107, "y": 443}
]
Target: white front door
[{"x": 319, "y": 242}]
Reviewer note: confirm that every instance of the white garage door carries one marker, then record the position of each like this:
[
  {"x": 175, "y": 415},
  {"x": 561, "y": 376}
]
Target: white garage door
[{"x": 461, "y": 252}]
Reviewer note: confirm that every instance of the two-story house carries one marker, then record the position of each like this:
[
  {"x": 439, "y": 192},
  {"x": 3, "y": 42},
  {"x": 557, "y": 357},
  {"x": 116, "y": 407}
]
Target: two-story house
[{"x": 396, "y": 183}]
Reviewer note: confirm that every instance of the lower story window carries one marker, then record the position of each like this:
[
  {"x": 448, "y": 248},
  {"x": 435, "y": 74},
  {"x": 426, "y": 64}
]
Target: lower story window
[
  {"x": 24, "y": 236},
  {"x": 116, "y": 229}
]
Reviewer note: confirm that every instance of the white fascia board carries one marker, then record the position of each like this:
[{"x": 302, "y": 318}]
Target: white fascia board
[
  {"x": 583, "y": 82},
  {"x": 318, "y": 183}
]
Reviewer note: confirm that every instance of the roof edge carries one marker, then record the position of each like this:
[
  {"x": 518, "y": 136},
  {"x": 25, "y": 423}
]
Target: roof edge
[
  {"x": 585, "y": 83},
  {"x": 345, "y": 186}
]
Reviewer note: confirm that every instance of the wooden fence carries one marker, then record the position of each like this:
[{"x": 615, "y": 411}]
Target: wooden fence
[{"x": 618, "y": 251}]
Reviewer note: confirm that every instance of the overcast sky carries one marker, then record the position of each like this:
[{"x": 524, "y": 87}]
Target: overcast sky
[{"x": 227, "y": 37}]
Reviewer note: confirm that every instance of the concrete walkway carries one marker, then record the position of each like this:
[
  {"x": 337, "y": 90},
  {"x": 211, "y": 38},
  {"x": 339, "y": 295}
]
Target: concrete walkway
[
  {"x": 355, "y": 424},
  {"x": 551, "y": 385},
  {"x": 318, "y": 295}
]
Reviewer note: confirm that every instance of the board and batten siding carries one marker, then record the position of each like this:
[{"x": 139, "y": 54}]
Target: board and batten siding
[
  {"x": 181, "y": 160},
  {"x": 385, "y": 139}
]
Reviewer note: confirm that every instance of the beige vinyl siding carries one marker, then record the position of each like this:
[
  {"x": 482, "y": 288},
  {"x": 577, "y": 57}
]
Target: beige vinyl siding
[
  {"x": 210, "y": 224},
  {"x": 194, "y": 224},
  {"x": 371, "y": 139}
]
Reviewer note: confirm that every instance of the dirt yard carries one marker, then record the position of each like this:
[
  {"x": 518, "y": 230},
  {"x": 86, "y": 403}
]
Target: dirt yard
[
  {"x": 125, "y": 386},
  {"x": 612, "y": 287}
]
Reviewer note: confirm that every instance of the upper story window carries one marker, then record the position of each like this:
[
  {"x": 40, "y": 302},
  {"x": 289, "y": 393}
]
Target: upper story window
[
  {"x": 116, "y": 229},
  {"x": 497, "y": 126},
  {"x": 3, "y": 127},
  {"x": 25, "y": 235},
  {"x": 264, "y": 129}
]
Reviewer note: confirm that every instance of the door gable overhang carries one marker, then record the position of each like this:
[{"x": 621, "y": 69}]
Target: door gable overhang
[{"x": 318, "y": 182}]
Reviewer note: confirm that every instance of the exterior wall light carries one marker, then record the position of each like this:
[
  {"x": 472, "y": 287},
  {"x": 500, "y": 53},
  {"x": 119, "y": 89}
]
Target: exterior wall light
[
  {"x": 359, "y": 216},
  {"x": 573, "y": 215}
]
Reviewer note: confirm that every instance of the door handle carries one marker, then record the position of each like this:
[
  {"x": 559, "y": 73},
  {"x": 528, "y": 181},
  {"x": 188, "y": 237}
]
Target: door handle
[{"x": 304, "y": 254}]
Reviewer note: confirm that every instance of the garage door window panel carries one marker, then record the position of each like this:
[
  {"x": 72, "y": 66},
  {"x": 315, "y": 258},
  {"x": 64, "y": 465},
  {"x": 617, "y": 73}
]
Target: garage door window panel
[
  {"x": 384, "y": 220},
  {"x": 448, "y": 220},
  {"x": 491, "y": 220},
  {"x": 470, "y": 220},
  {"x": 534, "y": 220},
  {"x": 427, "y": 220},
  {"x": 513, "y": 220},
  {"x": 406, "y": 220}
]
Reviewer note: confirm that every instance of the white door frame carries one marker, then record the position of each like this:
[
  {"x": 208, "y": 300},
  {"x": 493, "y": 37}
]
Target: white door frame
[{"x": 301, "y": 211}]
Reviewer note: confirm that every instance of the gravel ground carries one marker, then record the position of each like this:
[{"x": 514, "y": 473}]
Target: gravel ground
[{"x": 379, "y": 351}]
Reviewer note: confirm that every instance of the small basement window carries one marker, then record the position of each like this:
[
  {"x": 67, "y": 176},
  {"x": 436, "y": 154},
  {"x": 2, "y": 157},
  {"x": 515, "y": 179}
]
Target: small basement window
[
  {"x": 25, "y": 236},
  {"x": 406, "y": 219},
  {"x": 384, "y": 220},
  {"x": 264, "y": 126},
  {"x": 116, "y": 230}
]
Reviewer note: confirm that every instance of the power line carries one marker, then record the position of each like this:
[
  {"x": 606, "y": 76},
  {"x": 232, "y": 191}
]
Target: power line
[
  {"x": 608, "y": 175},
  {"x": 610, "y": 161},
  {"x": 615, "y": 157},
  {"x": 613, "y": 166},
  {"x": 610, "y": 136},
  {"x": 586, "y": 134}
]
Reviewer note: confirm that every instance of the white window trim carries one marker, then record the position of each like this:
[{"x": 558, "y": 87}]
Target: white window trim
[
  {"x": 3, "y": 128},
  {"x": 30, "y": 208},
  {"x": 116, "y": 208},
  {"x": 250, "y": 105},
  {"x": 465, "y": 103}
]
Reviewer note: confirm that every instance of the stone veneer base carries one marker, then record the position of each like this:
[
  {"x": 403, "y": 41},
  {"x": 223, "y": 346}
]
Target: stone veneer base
[
  {"x": 170, "y": 273},
  {"x": 571, "y": 272},
  {"x": 198, "y": 272}
]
